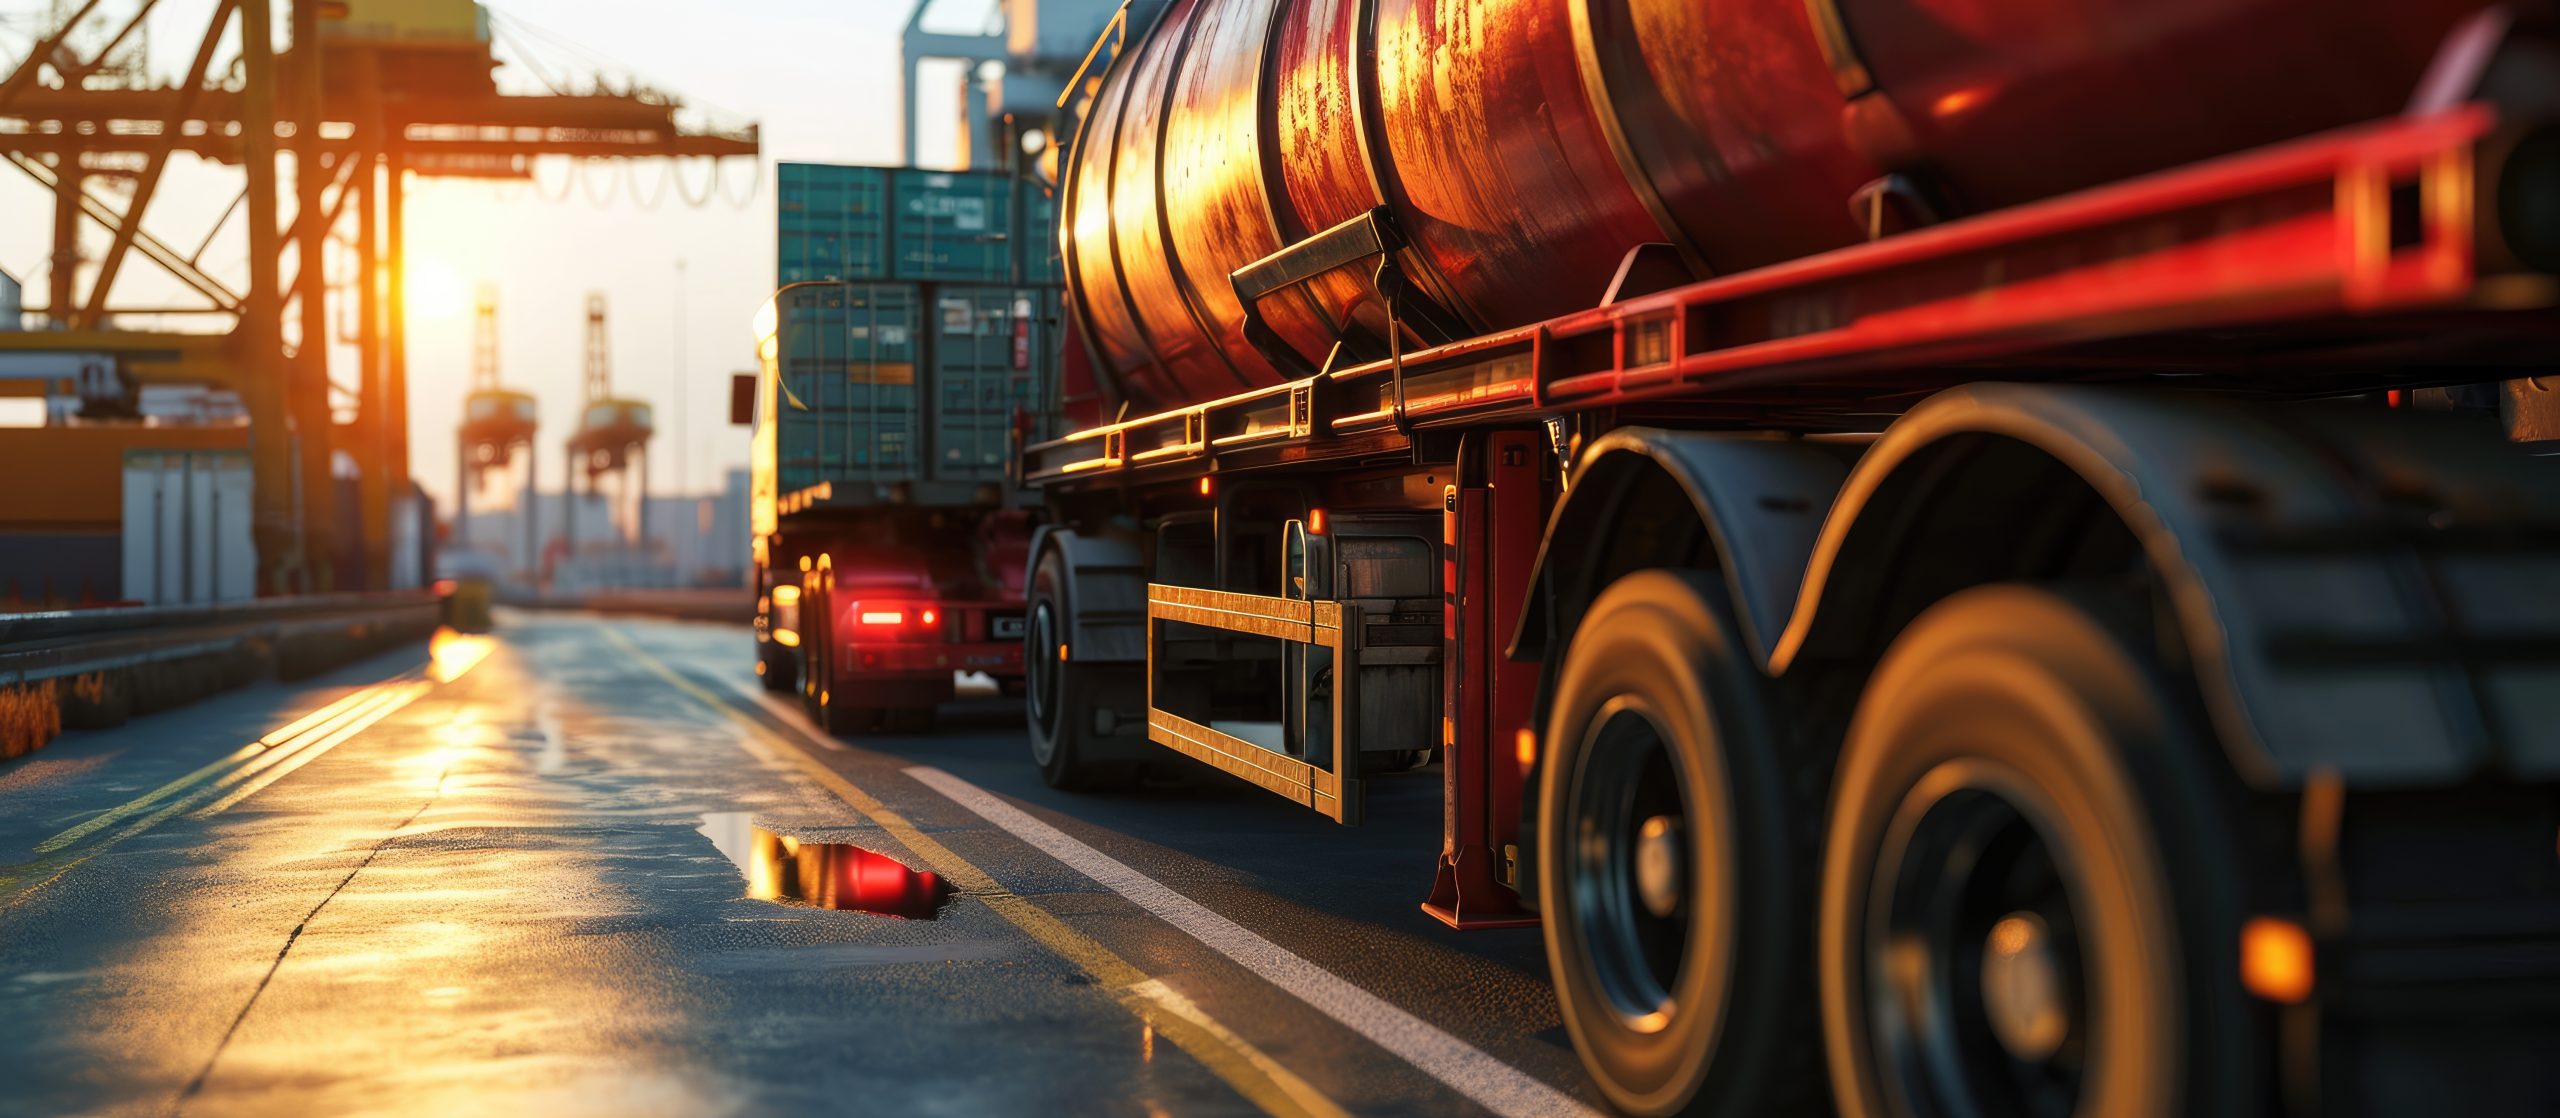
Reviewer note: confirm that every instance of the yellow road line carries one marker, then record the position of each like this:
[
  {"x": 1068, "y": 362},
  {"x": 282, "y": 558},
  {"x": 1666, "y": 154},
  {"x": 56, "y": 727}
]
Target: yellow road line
[
  {"x": 313, "y": 751},
  {"x": 274, "y": 754},
  {"x": 134, "y": 806},
  {"x": 1254, "y": 1075}
]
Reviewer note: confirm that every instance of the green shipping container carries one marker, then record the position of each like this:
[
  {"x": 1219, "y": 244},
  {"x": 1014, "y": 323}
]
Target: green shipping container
[
  {"x": 850, "y": 357},
  {"x": 1039, "y": 240},
  {"x": 951, "y": 225},
  {"x": 832, "y": 222},
  {"x": 991, "y": 368},
  {"x": 913, "y": 383}
]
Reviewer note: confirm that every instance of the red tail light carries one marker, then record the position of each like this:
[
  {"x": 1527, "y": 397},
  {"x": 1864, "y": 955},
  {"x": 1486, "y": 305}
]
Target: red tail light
[{"x": 889, "y": 620}]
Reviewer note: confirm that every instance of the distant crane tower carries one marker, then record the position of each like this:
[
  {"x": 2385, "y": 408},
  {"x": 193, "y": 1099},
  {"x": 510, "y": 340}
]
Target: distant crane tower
[
  {"x": 612, "y": 435},
  {"x": 495, "y": 421}
]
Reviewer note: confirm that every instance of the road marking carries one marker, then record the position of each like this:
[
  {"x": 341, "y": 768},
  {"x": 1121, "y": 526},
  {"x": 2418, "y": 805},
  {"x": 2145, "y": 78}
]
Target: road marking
[
  {"x": 243, "y": 772},
  {"x": 1262, "y": 1080},
  {"x": 312, "y": 752},
  {"x": 1498, "y": 1086},
  {"x": 272, "y": 739}
]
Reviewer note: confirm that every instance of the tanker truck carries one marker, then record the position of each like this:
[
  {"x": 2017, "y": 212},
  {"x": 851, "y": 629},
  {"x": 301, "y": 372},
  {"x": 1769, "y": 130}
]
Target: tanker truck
[{"x": 1958, "y": 556}]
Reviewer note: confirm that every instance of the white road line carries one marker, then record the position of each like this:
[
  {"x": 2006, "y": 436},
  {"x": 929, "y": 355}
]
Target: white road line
[{"x": 1498, "y": 1086}]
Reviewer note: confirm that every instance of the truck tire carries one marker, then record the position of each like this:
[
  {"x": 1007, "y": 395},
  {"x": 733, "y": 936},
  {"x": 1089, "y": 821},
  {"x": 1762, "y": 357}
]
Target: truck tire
[
  {"x": 781, "y": 670},
  {"x": 813, "y": 650},
  {"x": 2026, "y": 906},
  {"x": 1060, "y": 693},
  {"x": 1676, "y": 861}
]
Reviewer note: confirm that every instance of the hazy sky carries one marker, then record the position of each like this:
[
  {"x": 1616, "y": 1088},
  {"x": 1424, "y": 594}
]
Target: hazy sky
[{"x": 820, "y": 76}]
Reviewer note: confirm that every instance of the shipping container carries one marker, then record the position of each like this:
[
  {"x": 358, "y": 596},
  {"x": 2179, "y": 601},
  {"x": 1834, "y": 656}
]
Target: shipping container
[
  {"x": 991, "y": 362},
  {"x": 890, "y": 383},
  {"x": 1037, "y": 247},
  {"x": 186, "y": 527},
  {"x": 879, "y": 223},
  {"x": 950, "y": 225},
  {"x": 848, "y": 358},
  {"x": 831, "y": 222}
]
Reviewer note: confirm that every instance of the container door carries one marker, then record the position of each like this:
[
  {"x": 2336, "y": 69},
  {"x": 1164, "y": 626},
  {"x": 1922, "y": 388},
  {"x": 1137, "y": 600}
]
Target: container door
[
  {"x": 233, "y": 551},
  {"x": 141, "y": 526},
  {"x": 831, "y": 223},
  {"x": 1039, "y": 234},
  {"x": 976, "y": 346},
  {"x": 953, "y": 226},
  {"x": 849, "y": 354}
]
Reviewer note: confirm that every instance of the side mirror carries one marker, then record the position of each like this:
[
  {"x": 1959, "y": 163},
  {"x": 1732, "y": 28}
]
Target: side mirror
[{"x": 742, "y": 399}]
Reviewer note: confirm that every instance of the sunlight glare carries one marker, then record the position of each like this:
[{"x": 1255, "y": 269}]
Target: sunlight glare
[
  {"x": 435, "y": 290},
  {"x": 455, "y": 653}
]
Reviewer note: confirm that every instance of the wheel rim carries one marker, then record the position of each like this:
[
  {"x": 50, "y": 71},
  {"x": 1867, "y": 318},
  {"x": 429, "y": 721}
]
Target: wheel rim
[
  {"x": 1045, "y": 669},
  {"x": 1631, "y": 875},
  {"x": 1977, "y": 994}
]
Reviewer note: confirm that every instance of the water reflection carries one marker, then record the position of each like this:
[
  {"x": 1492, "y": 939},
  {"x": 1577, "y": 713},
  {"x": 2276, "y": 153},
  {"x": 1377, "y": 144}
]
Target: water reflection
[{"x": 823, "y": 874}]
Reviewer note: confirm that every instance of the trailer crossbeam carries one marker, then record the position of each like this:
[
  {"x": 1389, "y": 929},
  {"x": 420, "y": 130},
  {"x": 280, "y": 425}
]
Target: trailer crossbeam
[{"x": 1333, "y": 792}]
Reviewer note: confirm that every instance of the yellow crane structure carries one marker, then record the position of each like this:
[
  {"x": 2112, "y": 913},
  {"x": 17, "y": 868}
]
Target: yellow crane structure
[
  {"x": 496, "y": 422},
  {"x": 365, "y": 95},
  {"x": 612, "y": 438}
]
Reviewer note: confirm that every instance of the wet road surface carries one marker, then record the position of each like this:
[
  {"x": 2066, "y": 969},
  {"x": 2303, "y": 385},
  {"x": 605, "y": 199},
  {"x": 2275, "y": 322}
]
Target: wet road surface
[{"x": 586, "y": 866}]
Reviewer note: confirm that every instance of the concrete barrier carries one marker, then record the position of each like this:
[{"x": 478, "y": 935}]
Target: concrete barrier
[{"x": 84, "y": 669}]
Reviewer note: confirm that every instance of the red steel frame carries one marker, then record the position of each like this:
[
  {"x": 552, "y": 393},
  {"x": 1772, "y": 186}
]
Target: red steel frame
[
  {"x": 1495, "y": 518},
  {"x": 2301, "y": 232}
]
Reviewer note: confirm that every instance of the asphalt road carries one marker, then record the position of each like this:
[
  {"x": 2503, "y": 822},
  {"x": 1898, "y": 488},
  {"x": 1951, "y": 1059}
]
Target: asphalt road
[{"x": 555, "y": 871}]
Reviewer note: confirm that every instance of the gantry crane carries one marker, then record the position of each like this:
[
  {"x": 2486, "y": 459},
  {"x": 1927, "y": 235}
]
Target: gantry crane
[
  {"x": 495, "y": 422},
  {"x": 612, "y": 437},
  {"x": 360, "y": 106}
]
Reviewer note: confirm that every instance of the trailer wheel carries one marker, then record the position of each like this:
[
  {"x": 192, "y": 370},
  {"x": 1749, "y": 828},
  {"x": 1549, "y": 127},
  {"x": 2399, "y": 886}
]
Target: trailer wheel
[
  {"x": 2024, "y": 908},
  {"x": 1676, "y": 857},
  {"x": 1060, "y": 693},
  {"x": 779, "y": 670},
  {"x": 814, "y": 666}
]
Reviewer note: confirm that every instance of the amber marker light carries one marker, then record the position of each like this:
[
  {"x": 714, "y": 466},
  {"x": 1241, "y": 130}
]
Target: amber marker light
[
  {"x": 2276, "y": 960},
  {"x": 1525, "y": 743},
  {"x": 1315, "y": 522},
  {"x": 1207, "y": 487}
]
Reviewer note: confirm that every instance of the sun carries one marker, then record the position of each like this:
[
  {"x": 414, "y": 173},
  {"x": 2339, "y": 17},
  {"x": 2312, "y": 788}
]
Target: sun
[{"x": 435, "y": 290}]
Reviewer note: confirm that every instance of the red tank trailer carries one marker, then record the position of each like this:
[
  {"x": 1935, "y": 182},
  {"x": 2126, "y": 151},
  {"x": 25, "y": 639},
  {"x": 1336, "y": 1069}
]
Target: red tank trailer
[
  {"x": 1521, "y": 146},
  {"x": 1955, "y": 556}
]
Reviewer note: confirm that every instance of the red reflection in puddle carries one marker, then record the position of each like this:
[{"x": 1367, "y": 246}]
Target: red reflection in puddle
[{"x": 841, "y": 875}]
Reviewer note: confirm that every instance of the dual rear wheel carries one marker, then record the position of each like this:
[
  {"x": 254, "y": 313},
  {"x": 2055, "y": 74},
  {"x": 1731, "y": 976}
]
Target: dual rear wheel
[
  {"x": 2019, "y": 903},
  {"x": 818, "y": 674}
]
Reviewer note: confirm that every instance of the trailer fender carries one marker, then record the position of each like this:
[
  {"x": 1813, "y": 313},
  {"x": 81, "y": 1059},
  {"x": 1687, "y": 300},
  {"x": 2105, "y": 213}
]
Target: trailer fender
[
  {"x": 2356, "y": 590},
  {"x": 1107, "y": 582},
  {"x": 1748, "y": 508}
]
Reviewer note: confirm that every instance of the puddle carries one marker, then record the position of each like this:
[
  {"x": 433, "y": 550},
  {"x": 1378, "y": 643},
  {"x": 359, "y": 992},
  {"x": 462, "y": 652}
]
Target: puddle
[{"x": 788, "y": 870}]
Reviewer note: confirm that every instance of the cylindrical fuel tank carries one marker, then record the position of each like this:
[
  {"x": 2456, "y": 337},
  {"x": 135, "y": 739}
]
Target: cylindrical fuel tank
[{"x": 1524, "y": 146}]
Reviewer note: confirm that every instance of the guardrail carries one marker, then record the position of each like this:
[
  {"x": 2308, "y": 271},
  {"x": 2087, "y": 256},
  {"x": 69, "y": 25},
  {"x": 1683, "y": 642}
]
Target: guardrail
[
  {"x": 51, "y": 644},
  {"x": 81, "y": 669}
]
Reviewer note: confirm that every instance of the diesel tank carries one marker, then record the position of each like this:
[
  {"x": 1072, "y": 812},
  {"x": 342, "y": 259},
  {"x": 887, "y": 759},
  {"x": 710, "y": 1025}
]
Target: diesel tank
[{"x": 1522, "y": 147}]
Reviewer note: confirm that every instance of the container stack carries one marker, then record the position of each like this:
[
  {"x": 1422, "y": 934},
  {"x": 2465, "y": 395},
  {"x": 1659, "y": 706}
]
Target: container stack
[{"x": 925, "y": 340}]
